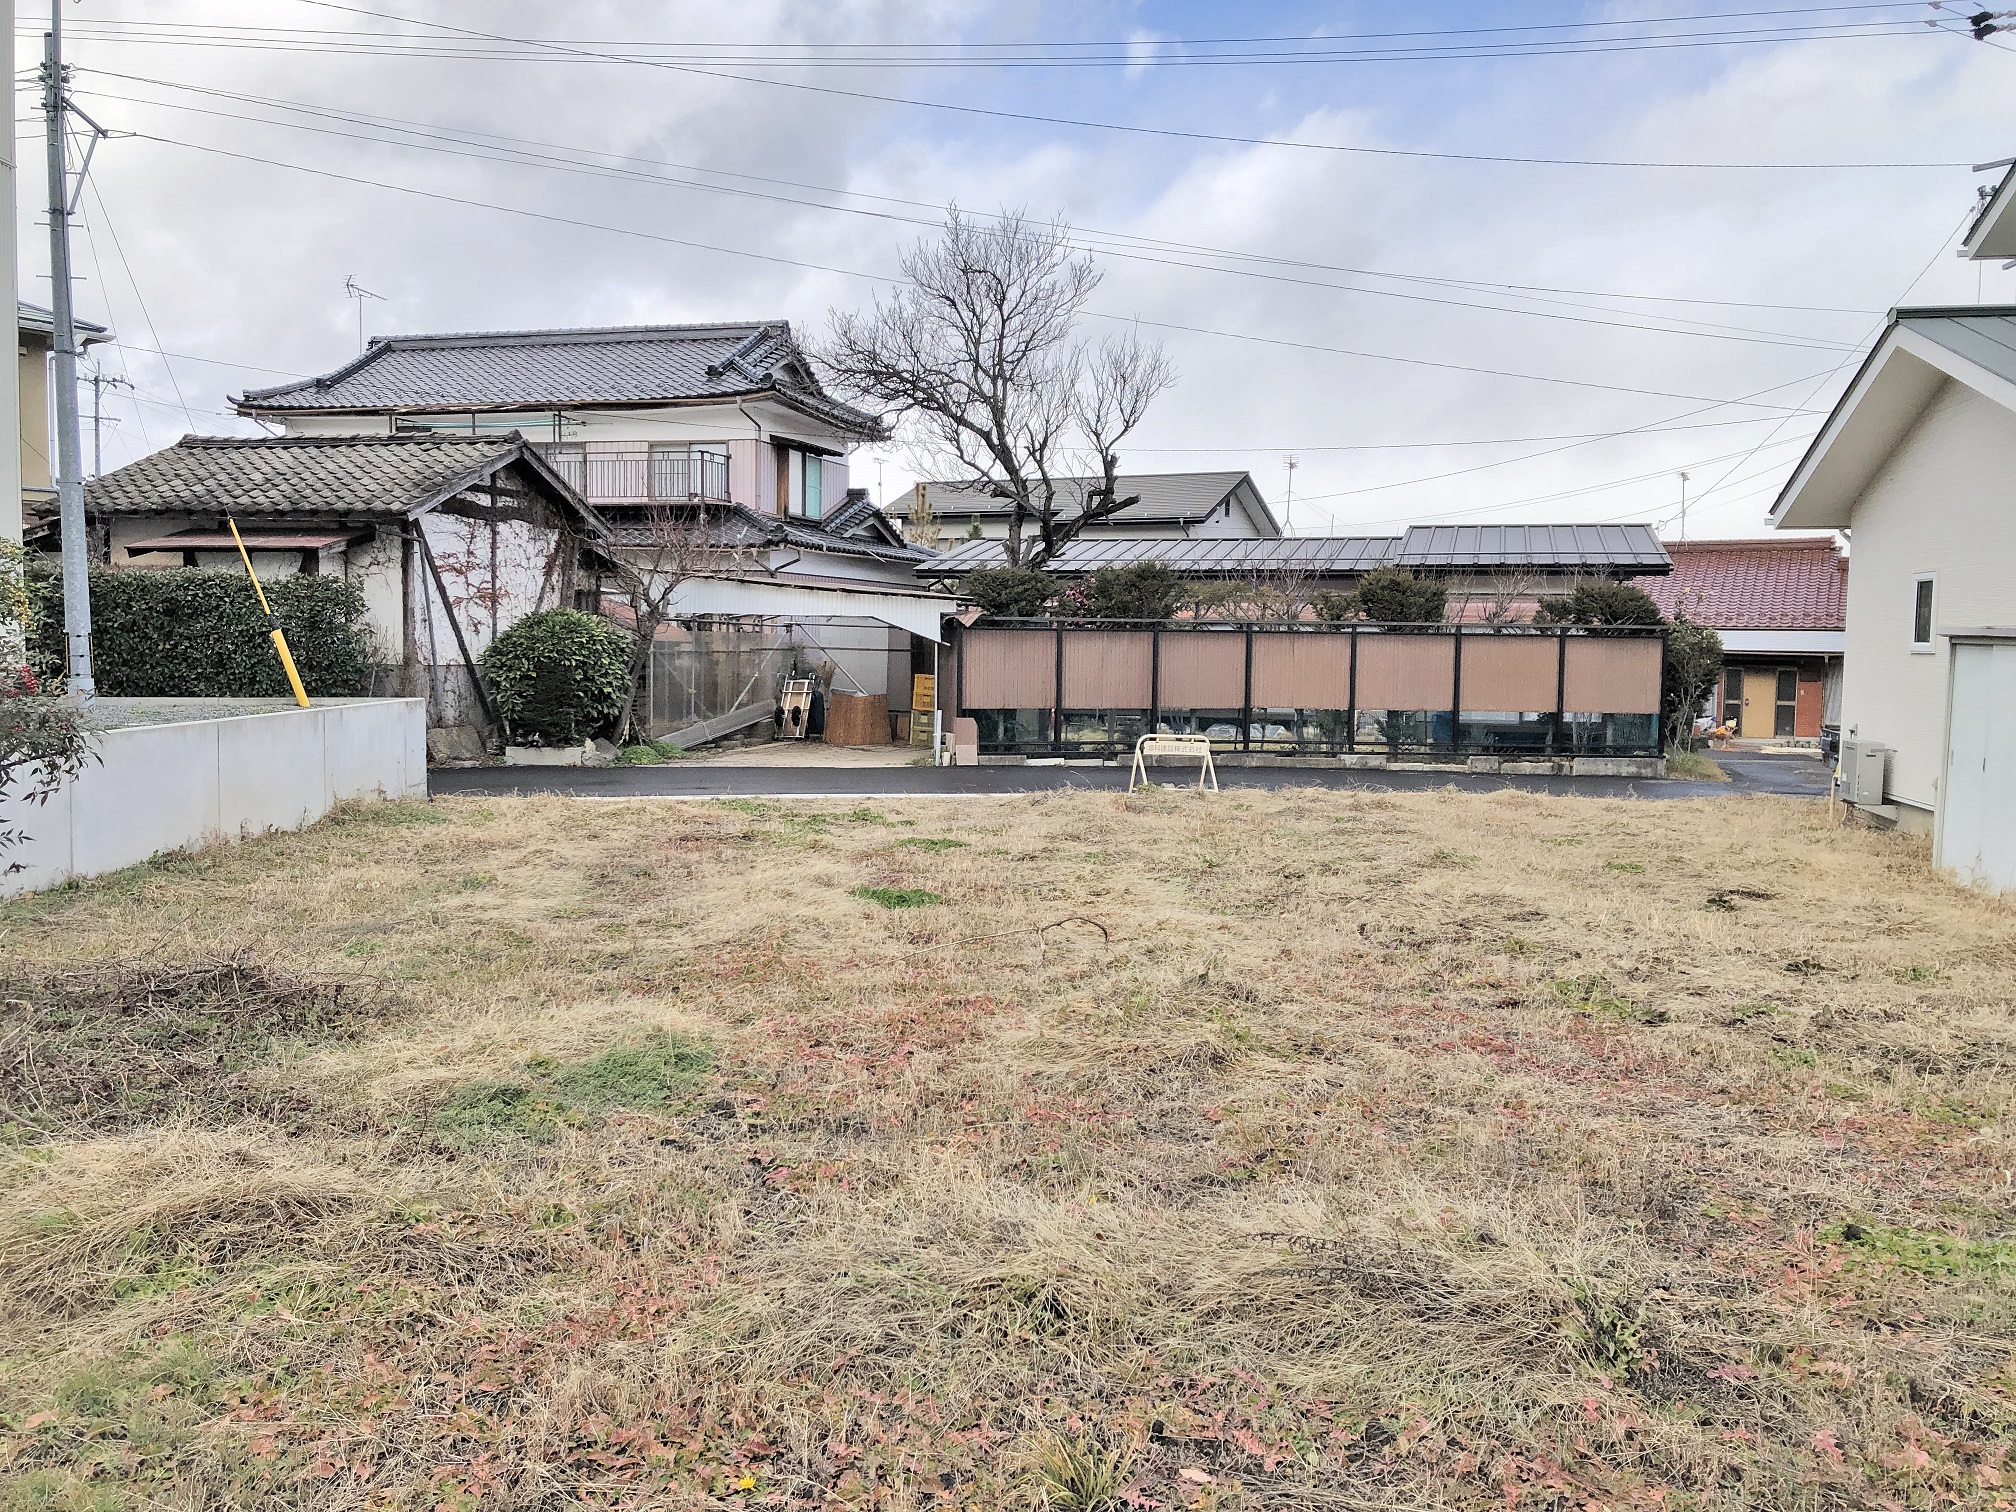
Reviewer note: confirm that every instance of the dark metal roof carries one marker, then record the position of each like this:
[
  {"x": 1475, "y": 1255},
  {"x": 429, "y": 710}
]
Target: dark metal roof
[
  {"x": 324, "y": 477},
  {"x": 1612, "y": 550},
  {"x": 1164, "y": 499},
  {"x": 1633, "y": 549},
  {"x": 1319, "y": 556},
  {"x": 505, "y": 370},
  {"x": 735, "y": 527}
]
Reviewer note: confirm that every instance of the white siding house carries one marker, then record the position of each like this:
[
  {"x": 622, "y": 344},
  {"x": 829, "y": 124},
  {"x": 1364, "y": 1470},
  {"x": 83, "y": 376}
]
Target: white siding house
[
  {"x": 1916, "y": 465},
  {"x": 1167, "y": 506}
]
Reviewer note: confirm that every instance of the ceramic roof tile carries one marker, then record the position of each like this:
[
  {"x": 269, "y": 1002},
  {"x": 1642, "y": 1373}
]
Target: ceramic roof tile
[
  {"x": 1788, "y": 584},
  {"x": 326, "y": 476},
  {"x": 537, "y": 369}
]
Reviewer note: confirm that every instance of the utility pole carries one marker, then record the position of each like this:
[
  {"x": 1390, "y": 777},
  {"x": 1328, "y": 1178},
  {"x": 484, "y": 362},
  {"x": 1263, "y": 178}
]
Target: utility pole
[
  {"x": 100, "y": 381},
  {"x": 1288, "y": 509},
  {"x": 69, "y": 462}
]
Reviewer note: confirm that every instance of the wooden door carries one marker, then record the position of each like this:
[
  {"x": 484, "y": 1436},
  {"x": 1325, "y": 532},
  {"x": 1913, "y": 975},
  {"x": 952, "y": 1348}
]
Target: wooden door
[{"x": 1760, "y": 703}]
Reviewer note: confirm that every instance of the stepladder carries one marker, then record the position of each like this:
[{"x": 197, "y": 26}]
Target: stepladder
[{"x": 1190, "y": 747}]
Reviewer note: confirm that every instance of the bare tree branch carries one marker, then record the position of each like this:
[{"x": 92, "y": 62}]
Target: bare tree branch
[{"x": 977, "y": 356}]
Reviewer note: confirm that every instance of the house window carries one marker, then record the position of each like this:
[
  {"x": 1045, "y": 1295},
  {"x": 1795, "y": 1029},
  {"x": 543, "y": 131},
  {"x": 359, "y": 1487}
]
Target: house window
[
  {"x": 801, "y": 480},
  {"x": 1921, "y": 612}
]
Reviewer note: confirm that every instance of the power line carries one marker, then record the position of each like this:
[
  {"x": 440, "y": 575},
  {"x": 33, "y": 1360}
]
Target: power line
[
  {"x": 1910, "y": 5},
  {"x": 471, "y": 136},
  {"x": 574, "y": 223},
  {"x": 1474, "y": 44},
  {"x": 1719, "y": 333},
  {"x": 1115, "y": 126}
]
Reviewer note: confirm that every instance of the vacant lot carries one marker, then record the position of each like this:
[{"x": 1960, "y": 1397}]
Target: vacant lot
[{"x": 1279, "y": 1151}]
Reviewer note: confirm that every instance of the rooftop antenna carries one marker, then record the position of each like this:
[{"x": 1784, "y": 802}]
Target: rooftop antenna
[
  {"x": 354, "y": 290},
  {"x": 1683, "y": 506},
  {"x": 1288, "y": 508}
]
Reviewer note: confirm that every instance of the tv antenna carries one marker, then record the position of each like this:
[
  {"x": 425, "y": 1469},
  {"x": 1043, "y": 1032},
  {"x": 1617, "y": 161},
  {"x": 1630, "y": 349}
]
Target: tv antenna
[
  {"x": 1683, "y": 506},
  {"x": 354, "y": 290},
  {"x": 1288, "y": 508}
]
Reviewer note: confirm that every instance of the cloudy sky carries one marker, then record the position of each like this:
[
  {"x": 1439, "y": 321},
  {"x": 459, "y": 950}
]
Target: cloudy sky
[{"x": 1330, "y": 213}]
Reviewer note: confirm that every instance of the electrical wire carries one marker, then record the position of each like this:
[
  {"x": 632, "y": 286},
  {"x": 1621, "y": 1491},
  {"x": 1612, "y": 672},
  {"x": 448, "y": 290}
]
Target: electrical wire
[
  {"x": 1719, "y": 333},
  {"x": 1114, "y": 126},
  {"x": 473, "y": 137},
  {"x": 575, "y": 223}
]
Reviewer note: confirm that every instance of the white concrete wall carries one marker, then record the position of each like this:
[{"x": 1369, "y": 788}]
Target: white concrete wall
[
  {"x": 1941, "y": 504},
  {"x": 164, "y": 787}
]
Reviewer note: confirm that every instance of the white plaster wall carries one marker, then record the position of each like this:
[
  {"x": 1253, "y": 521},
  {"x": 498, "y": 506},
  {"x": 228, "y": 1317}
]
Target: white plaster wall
[
  {"x": 373, "y": 566},
  {"x": 1941, "y": 504},
  {"x": 167, "y": 787},
  {"x": 524, "y": 580}
]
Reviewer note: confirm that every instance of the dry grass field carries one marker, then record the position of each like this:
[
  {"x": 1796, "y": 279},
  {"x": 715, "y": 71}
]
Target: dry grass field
[{"x": 1289, "y": 1151}]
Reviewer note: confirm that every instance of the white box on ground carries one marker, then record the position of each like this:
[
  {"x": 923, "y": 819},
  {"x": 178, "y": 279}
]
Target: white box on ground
[{"x": 174, "y": 785}]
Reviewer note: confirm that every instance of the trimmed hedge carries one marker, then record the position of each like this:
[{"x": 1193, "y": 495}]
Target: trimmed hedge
[
  {"x": 180, "y": 633},
  {"x": 560, "y": 676}
]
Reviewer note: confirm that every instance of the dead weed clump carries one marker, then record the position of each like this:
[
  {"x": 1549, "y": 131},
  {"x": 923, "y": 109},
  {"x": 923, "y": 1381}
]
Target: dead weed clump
[
  {"x": 131, "y": 1042},
  {"x": 1285, "y": 1150}
]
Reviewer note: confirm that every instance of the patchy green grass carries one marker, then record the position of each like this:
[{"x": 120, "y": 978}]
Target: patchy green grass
[{"x": 898, "y": 897}]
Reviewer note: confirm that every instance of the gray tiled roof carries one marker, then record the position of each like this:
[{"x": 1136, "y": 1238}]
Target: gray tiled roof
[
  {"x": 548, "y": 369},
  {"x": 1174, "y": 498},
  {"x": 1553, "y": 547},
  {"x": 343, "y": 477},
  {"x": 1319, "y": 556}
]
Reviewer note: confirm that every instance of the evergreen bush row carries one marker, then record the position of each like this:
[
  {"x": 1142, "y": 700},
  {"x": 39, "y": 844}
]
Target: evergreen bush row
[{"x": 194, "y": 634}]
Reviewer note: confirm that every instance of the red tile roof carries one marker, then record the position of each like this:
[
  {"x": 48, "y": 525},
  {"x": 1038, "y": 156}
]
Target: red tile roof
[{"x": 1795, "y": 583}]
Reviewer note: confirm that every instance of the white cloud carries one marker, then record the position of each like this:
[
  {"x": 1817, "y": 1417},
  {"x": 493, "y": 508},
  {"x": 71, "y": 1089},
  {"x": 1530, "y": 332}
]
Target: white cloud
[{"x": 243, "y": 261}]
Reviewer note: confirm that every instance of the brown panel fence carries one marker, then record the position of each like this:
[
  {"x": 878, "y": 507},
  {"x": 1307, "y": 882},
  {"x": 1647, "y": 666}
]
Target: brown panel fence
[{"x": 1044, "y": 686}]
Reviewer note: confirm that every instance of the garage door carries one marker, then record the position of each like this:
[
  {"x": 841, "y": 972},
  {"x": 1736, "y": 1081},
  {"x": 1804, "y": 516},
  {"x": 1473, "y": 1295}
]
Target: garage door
[{"x": 1977, "y": 809}]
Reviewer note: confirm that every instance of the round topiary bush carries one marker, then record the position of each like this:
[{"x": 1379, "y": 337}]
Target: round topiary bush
[{"x": 560, "y": 676}]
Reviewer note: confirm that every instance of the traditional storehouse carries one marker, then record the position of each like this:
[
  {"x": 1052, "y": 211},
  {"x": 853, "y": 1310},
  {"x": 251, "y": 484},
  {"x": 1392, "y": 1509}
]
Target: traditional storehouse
[{"x": 450, "y": 539}]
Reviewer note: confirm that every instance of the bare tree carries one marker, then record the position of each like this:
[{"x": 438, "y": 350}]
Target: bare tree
[
  {"x": 978, "y": 355},
  {"x": 657, "y": 550},
  {"x": 1506, "y": 598}
]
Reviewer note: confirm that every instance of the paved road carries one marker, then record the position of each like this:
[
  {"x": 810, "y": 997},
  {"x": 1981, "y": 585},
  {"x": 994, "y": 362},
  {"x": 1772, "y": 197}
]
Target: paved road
[{"x": 1750, "y": 773}]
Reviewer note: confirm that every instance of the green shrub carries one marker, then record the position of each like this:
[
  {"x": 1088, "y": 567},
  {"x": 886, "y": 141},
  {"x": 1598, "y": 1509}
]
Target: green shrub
[
  {"x": 1010, "y": 592},
  {"x": 180, "y": 633},
  {"x": 1388, "y": 596},
  {"x": 560, "y": 676},
  {"x": 1141, "y": 591},
  {"x": 1598, "y": 601}
]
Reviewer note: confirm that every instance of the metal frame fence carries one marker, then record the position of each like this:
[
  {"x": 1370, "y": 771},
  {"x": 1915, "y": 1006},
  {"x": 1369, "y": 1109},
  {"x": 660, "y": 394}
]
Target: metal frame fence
[{"x": 1446, "y": 724}]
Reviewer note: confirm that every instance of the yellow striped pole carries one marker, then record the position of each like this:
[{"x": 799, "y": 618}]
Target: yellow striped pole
[{"x": 272, "y": 620}]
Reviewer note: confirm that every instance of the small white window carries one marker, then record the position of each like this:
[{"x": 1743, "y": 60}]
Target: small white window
[{"x": 1921, "y": 611}]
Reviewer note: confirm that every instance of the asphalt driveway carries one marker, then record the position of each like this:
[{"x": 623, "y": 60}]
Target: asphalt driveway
[{"x": 1749, "y": 772}]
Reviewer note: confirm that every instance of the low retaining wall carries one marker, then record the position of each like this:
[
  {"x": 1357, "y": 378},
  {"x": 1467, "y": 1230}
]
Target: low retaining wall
[{"x": 165, "y": 786}]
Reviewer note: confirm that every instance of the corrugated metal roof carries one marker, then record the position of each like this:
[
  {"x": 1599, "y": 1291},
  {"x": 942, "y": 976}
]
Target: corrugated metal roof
[
  {"x": 1790, "y": 584},
  {"x": 1613, "y": 550},
  {"x": 555, "y": 369},
  {"x": 1175, "y": 498},
  {"x": 1983, "y": 334},
  {"x": 1318, "y": 555},
  {"x": 735, "y": 527},
  {"x": 1553, "y": 547}
]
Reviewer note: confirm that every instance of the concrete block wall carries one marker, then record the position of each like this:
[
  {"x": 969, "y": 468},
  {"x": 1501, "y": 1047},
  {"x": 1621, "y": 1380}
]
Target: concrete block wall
[{"x": 165, "y": 787}]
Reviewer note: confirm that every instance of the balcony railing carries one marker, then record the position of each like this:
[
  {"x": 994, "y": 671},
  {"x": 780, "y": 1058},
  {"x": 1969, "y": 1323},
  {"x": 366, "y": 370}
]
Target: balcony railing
[{"x": 664, "y": 477}]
